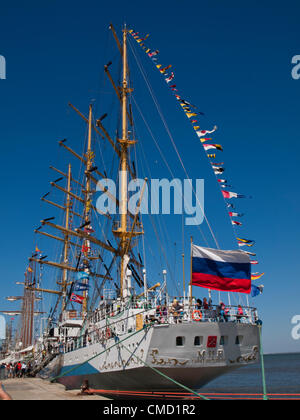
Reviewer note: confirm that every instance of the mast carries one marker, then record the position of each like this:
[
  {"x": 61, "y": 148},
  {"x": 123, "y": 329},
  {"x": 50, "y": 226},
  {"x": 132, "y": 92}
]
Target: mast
[
  {"x": 124, "y": 147},
  {"x": 88, "y": 201},
  {"x": 28, "y": 308},
  {"x": 66, "y": 242},
  {"x": 122, "y": 230},
  {"x": 125, "y": 232}
]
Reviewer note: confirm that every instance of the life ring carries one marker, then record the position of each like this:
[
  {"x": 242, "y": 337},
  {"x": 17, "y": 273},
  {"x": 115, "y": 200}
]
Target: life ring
[
  {"x": 108, "y": 333},
  {"x": 197, "y": 315}
]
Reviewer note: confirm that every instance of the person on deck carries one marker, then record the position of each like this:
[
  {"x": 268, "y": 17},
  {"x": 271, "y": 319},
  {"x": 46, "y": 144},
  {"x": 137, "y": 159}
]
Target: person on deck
[
  {"x": 223, "y": 312},
  {"x": 158, "y": 313},
  {"x": 198, "y": 304},
  {"x": 175, "y": 309},
  {"x": 240, "y": 314},
  {"x": 164, "y": 313},
  {"x": 205, "y": 304},
  {"x": 226, "y": 314}
]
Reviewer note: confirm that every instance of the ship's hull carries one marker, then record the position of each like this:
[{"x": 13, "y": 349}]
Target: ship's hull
[
  {"x": 134, "y": 363},
  {"x": 141, "y": 382}
]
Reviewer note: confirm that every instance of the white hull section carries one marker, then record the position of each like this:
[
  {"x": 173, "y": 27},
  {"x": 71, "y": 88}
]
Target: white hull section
[{"x": 219, "y": 348}]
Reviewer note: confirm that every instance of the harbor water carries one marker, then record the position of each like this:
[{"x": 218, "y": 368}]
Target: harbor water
[{"x": 282, "y": 373}]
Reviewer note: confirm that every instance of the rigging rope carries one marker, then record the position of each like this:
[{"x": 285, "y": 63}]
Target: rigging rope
[{"x": 173, "y": 142}]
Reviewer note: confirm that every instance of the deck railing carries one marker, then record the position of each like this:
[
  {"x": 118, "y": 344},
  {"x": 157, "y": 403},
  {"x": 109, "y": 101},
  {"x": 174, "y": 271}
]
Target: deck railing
[{"x": 159, "y": 315}]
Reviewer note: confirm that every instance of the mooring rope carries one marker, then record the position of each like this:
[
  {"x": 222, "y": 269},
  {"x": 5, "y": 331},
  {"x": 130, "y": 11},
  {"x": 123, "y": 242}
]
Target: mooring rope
[{"x": 120, "y": 343}]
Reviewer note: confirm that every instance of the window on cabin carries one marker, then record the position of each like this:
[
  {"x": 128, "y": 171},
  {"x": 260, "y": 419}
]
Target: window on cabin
[
  {"x": 198, "y": 341},
  {"x": 223, "y": 340},
  {"x": 239, "y": 339},
  {"x": 179, "y": 341}
]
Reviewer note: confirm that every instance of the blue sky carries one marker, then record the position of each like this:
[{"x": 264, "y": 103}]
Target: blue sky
[{"x": 232, "y": 60}]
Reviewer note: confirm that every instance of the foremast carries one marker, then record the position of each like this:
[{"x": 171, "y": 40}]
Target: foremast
[
  {"x": 128, "y": 226},
  {"x": 67, "y": 240}
]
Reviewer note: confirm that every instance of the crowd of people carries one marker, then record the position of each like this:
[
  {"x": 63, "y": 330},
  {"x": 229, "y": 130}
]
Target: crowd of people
[
  {"x": 18, "y": 369},
  {"x": 201, "y": 311}
]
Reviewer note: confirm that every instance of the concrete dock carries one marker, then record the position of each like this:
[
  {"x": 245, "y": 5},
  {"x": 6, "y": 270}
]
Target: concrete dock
[{"x": 39, "y": 389}]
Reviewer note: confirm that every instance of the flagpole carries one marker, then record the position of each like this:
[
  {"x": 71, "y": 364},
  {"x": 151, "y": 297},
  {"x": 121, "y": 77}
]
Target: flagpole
[
  {"x": 183, "y": 279},
  {"x": 191, "y": 275}
]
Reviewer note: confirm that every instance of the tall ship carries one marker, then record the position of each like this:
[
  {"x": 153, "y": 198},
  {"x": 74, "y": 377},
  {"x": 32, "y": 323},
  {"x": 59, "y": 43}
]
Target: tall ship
[{"x": 107, "y": 320}]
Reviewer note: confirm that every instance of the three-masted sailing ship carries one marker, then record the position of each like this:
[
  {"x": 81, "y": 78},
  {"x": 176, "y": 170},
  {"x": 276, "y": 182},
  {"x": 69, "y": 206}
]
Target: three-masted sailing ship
[{"x": 129, "y": 334}]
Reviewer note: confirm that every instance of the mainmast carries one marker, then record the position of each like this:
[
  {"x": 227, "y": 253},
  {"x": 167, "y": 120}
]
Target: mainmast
[
  {"x": 124, "y": 151},
  {"x": 123, "y": 230}
]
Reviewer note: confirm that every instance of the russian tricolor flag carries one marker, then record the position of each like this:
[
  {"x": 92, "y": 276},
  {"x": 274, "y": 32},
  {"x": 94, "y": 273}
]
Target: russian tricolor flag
[{"x": 228, "y": 271}]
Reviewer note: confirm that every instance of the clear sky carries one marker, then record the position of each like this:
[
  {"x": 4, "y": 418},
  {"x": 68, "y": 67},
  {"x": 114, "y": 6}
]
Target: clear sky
[{"x": 232, "y": 59}]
